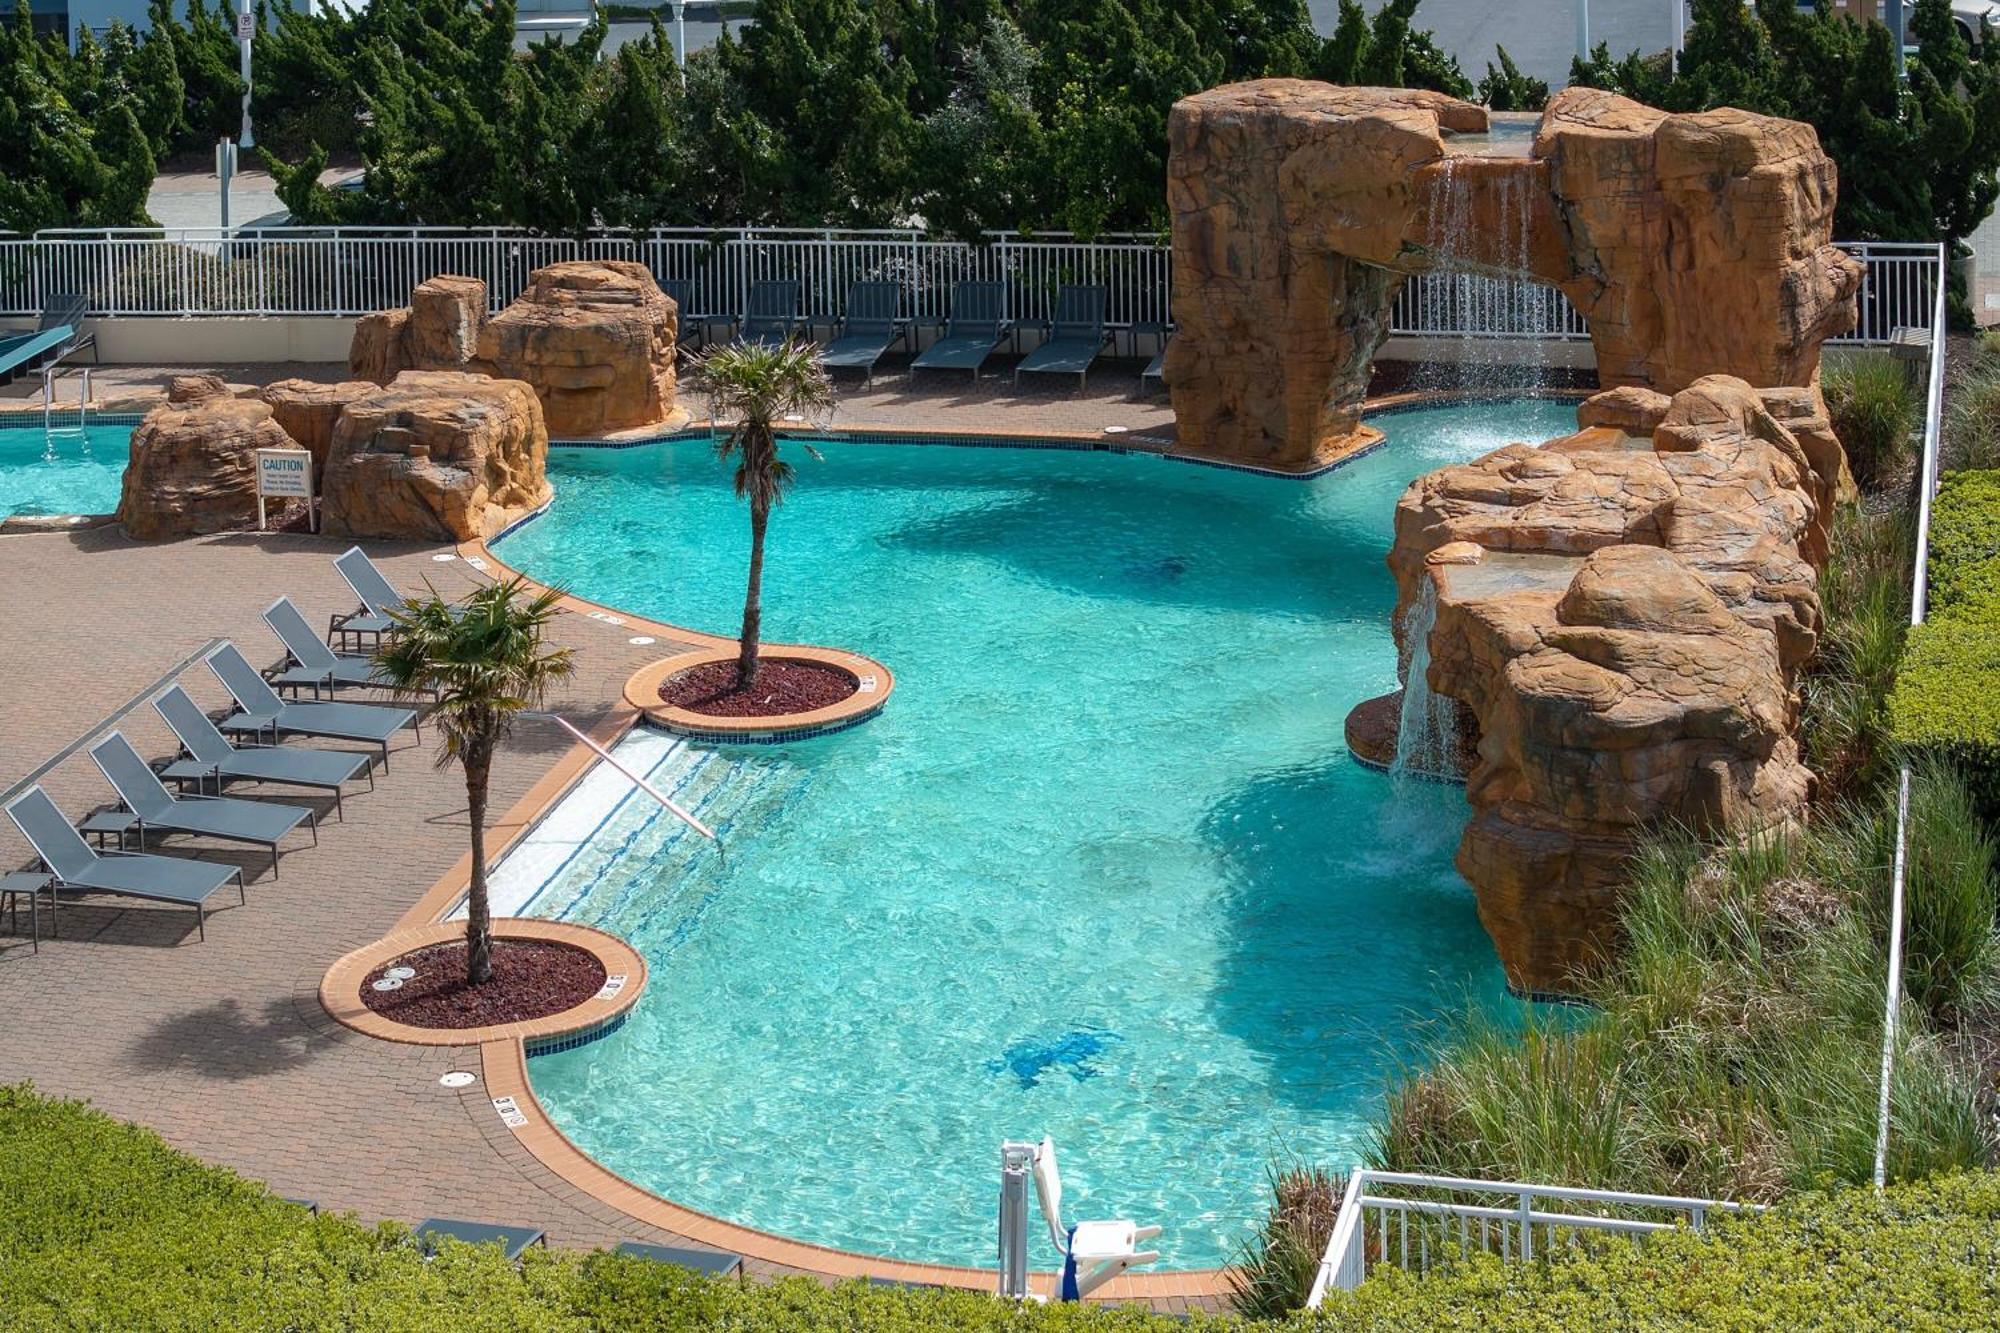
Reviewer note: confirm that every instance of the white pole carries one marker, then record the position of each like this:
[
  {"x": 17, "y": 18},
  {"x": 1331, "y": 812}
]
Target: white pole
[
  {"x": 1583, "y": 29},
  {"x": 246, "y": 28},
  {"x": 1680, "y": 31},
  {"x": 1896, "y": 30},
  {"x": 681, "y": 37},
  {"x": 636, "y": 780}
]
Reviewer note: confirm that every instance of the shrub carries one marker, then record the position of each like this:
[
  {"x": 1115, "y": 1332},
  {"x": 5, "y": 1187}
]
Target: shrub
[
  {"x": 1947, "y": 695},
  {"x": 1275, "y": 1272},
  {"x": 1874, "y": 412},
  {"x": 1972, "y": 415}
]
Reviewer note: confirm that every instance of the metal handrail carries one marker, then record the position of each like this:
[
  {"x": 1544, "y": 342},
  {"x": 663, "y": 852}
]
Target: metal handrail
[
  {"x": 1344, "y": 1263},
  {"x": 118, "y": 715},
  {"x": 637, "y": 781},
  {"x": 1927, "y": 479}
]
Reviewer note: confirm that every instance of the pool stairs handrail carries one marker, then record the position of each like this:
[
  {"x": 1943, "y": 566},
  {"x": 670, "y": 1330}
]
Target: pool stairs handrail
[
  {"x": 637, "y": 781},
  {"x": 1093, "y": 1252},
  {"x": 1443, "y": 1223}
]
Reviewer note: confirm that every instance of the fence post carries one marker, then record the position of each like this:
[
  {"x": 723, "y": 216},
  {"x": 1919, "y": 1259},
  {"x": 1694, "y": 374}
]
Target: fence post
[{"x": 1527, "y": 1212}]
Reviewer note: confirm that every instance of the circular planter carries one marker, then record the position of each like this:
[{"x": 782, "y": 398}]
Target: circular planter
[
  {"x": 642, "y": 691},
  {"x": 624, "y": 971}
]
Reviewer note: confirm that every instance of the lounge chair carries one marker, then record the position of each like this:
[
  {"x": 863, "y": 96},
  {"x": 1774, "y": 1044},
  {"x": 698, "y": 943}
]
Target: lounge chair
[
  {"x": 315, "y": 664},
  {"x": 978, "y": 324},
  {"x": 771, "y": 315},
  {"x": 68, "y": 310},
  {"x": 513, "y": 1241},
  {"x": 160, "y": 811},
  {"x": 868, "y": 329},
  {"x": 264, "y": 713},
  {"x": 59, "y": 333},
  {"x": 211, "y": 758},
  {"x": 379, "y": 598},
  {"x": 713, "y": 1263},
  {"x": 165, "y": 879},
  {"x": 1076, "y": 337}
]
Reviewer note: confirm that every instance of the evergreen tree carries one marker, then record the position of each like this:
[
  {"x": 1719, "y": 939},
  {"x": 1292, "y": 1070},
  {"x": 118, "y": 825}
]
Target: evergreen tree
[
  {"x": 58, "y": 166},
  {"x": 159, "y": 95},
  {"x": 1508, "y": 89},
  {"x": 207, "y": 58}
]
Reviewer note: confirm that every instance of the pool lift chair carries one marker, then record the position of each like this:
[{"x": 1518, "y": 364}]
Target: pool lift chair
[{"x": 1093, "y": 1252}]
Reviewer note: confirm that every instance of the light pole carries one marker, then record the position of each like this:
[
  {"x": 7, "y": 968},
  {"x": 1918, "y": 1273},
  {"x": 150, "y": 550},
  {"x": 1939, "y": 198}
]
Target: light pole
[
  {"x": 246, "y": 29},
  {"x": 1680, "y": 31},
  {"x": 1583, "y": 30},
  {"x": 681, "y": 38}
]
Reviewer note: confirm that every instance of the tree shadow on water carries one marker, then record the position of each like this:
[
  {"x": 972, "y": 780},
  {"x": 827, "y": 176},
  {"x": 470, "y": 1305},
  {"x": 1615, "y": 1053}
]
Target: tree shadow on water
[{"x": 1346, "y": 927}]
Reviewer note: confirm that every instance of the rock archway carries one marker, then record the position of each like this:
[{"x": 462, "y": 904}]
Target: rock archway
[{"x": 1693, "y": 244}]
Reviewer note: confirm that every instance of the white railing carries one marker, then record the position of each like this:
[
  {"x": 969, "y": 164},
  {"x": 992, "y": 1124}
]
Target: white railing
[
  {"x": 1416, "y": 1222},
  {"x": 1927, "y": 482},
  {"x": 354, "y": 270}
]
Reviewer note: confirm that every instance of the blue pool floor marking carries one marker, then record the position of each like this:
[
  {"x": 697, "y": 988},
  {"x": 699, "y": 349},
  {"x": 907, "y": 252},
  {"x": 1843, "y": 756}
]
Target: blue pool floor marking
[{"x": 1074, "y": 1051}]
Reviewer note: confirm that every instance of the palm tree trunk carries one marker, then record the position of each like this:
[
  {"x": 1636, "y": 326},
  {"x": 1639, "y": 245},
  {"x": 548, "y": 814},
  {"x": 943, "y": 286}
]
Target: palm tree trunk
[
  {"x": 753, "y": 612},
  {"x": 478, "y": 759}
]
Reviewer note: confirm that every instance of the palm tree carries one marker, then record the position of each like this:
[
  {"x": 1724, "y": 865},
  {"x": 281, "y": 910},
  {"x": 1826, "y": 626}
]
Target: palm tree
[
  {"x": 485, "y": 660},
  {"x": 755, "y": 386}
]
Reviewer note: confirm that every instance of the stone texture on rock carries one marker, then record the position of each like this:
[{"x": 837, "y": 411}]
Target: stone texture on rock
[
  {"x": 436, "y": 456},
  {"x": 596, "y": 340},
  {"x": 1694, "y": 244},
  {"x": 192, "y": 467},
  {"x": 307, "y": 409},
  {"x": 1627, "y": 648}
]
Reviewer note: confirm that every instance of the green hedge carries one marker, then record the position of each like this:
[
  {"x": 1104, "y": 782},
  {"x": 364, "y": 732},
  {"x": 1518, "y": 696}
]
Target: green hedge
[
  {"x": 102, "y": 1226},
  {"x": 1947, "y": 695}
]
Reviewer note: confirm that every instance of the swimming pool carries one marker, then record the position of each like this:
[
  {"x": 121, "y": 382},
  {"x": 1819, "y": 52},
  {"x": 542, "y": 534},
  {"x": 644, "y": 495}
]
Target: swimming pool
[
  {"x": 69, "y": 471},
  {"x": 1102, "y": 869}
]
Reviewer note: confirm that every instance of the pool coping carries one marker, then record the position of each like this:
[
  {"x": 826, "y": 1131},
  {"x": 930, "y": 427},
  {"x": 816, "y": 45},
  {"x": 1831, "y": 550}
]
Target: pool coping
[{"x": 504, "y": 1059}]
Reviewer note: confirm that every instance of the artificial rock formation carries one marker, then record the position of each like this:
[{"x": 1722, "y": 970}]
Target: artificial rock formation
[
  {"x": 192, "y": 468},
  {"x": 1694, "y": 244},
  {"x": 436, "y": 455},
  {"x": 1622, "y": 614},
  {"x": 308, "y": 409},
  {"x": 595, "y": 339}
]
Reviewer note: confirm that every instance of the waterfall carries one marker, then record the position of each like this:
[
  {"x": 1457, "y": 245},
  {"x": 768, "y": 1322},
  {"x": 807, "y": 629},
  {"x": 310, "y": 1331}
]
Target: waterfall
[
  {"x": 1502, "y": 321},
  {"x": 1427, "y": 731}
]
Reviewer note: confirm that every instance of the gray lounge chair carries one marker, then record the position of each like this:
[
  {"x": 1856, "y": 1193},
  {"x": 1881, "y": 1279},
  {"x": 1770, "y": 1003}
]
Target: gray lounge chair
[
  {"x": 1076, "y": 338},
  {"x": 211, "y": 758},
  {"x": 978, "y": 324},
  {"x": 315, "y": 664},
  {"x": 771, "y": 315},
  {"x": 264, "y": 713},
  {"x": 513, "y": 1241},
  {"x": 160, "y": 811},
  {"x": 868, "y": 329},
  {"x": 379, "y": 598},
  {"x": 713, "y": 1263},
  {"x": 164, "y": 879}
]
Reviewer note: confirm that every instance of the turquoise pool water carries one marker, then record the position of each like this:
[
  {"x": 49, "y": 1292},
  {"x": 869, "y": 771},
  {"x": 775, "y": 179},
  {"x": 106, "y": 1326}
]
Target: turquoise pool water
[
  {"x": 70, "y": 471},
  {"x": 1102, "y": 869}
]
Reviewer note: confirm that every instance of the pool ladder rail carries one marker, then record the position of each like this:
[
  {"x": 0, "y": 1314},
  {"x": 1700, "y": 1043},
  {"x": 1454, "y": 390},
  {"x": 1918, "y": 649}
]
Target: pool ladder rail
[{"x": 50, "y": 374}]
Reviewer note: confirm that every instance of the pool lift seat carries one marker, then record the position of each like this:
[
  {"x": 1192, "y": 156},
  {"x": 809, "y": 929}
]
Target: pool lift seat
[{"x": 1093, "y": 1252}]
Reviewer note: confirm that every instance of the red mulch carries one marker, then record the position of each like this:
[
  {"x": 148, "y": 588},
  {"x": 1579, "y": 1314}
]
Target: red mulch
[
  {"x": 531, "y": 979},
  {"x": 782, "y": 688}
]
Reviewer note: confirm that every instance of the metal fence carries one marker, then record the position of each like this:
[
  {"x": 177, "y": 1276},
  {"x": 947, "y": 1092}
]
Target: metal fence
[
  {"x": 1417, "y": 1222},
  {"x": 352, "y": 271}
]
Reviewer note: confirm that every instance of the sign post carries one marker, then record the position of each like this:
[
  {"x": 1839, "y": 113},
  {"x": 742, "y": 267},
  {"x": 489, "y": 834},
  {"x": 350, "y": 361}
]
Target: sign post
[{"x": 288, "y": 473}]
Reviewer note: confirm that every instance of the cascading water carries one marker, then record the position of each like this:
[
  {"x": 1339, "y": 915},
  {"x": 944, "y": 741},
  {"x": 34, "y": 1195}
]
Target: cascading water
[
  {"x": 1504, "y": 324},
  {"x": 1427, "y": 742}
]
